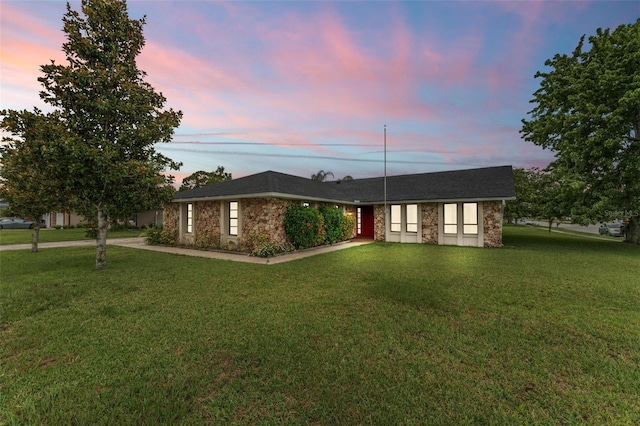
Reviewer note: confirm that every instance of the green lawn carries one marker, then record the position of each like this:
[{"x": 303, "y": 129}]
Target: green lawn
[
  {"x": 50, "y": 235},
  {"x": 543, "y": 331}
]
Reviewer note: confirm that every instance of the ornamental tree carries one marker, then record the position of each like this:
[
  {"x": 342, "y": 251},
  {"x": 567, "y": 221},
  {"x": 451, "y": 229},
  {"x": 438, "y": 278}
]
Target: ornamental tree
[
  {"x": 30, "y": 173},
  {"x": 112, "y": 117},
  {"x": 587, "y": 110}
]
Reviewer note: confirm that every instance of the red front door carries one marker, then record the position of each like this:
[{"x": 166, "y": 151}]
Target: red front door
[{"x": 364, "y": 222}]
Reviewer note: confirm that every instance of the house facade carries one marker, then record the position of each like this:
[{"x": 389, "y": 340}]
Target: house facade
[{"x": 463, "y": 207}]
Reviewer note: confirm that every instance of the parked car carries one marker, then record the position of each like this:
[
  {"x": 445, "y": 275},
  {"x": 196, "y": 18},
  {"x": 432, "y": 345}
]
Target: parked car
[
  {"x": 15, "y": 223},
  {"x": 612, "y": 229}
]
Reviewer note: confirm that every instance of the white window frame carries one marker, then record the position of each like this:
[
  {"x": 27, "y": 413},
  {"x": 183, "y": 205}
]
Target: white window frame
[
  {"x": 470, "y": 218},
  {"x": 233, "y": 218},
  {"x": 411, "y": 226},
  {"x": 189, "y": 227},
  {"x": 450, "y": 226},
  {"x": 395, "y": 218},
  {"x": 359, "y": 221}
]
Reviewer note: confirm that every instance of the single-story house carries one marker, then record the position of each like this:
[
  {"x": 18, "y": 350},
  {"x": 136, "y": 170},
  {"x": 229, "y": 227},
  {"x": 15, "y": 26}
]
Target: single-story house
[
  {"x": 462, "y": 207},
  {"x": 66, "y": 219}
]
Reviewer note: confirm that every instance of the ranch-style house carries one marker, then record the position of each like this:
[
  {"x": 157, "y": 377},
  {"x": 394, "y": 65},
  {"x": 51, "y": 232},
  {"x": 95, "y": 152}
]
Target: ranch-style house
[{"x": 461, "y": 207}]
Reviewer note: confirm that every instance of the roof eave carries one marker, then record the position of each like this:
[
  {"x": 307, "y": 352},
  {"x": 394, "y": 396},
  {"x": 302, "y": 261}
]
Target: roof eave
[
  {"x": 338, "y": 201},
  {"x": 262, "y": 195}
]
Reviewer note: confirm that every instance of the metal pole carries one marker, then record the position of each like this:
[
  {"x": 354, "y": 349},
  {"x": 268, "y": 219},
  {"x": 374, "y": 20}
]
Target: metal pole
[{"x": 385, "y": 183}]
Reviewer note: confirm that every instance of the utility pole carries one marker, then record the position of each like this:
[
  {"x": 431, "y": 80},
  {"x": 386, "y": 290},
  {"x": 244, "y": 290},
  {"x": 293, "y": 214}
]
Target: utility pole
[{"x": 385, "y": 183}]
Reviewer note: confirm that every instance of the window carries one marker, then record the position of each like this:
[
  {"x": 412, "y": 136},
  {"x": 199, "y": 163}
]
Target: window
[
  {"x": 470, "y": 218},
  {"x": 396, "y": 219},
  {"x": 233, "y": 218},
  {"x": 359, "y": 220},
  {"x": 189, "y": 218},
  {"x": 450, "y": 218},
  {"x": 305, "y": 204},
  {"x": 412, "y": 218}
]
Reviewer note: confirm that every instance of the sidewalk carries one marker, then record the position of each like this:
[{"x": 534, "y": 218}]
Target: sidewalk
[{"x": 138, "y": 243}]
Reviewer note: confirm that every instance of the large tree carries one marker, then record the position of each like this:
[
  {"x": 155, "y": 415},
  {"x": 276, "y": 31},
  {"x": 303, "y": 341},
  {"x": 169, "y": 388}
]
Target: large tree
[
  {"x": 588, "y": 112},
  {"x": 202, "y": 178},
  {"x": 526, "y": 203},
  {"x": 30, "y": 173},
  {"x": 112, "y": 116}
]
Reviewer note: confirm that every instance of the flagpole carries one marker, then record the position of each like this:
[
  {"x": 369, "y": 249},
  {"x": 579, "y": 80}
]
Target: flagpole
[{"x": 385, "y": 183}]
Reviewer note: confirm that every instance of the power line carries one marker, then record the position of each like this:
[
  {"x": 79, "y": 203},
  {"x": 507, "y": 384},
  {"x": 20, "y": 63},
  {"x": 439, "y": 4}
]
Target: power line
[
  {"x": 314, "y": 157},
  {"x": 266, "y": 144}
]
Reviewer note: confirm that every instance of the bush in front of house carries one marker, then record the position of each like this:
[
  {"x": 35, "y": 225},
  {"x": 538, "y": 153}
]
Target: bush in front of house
[
  {"x": 156, "y": 236},
  {"x": 261, "y": 245},
  {"x": 332, "y": 223},
  {"x": 207, "y": 239},
  {"x": 348, "y": 225},
  {"x": 303, "y": 226}
]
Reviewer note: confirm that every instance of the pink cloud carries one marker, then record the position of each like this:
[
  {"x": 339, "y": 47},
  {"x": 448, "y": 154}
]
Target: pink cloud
[{"x": 21, "y": 57}]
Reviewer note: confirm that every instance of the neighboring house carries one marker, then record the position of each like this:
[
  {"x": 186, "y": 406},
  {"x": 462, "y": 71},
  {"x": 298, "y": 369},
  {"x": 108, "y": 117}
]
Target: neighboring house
[
  {"x": 66, "y": 220},
  {"x": 461, "y": 207},
  {"x": 63, "y": 219}
]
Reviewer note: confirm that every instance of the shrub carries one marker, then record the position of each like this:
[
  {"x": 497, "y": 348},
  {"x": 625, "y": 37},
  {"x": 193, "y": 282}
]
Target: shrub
[
  {"x": 266, "y": 249},
  {"x": 155, "y": 236},
  {"x": 260, "y": 245},
  {"x": 303, "y": 226},
  {"x": 332, "y": 223},
  {"x": 121, "y": 227},
  {"x": 91, "y": 232},
  {"x": 348, "y": 225},
  {"x": 58, "y": 226},
  {"x": 208, "y": 239},
  {"x": 251, "y": 241}
]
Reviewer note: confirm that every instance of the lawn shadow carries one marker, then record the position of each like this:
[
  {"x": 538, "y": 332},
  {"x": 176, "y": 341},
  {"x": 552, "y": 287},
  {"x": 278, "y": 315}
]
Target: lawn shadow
[{"x": 422, "y": 296}]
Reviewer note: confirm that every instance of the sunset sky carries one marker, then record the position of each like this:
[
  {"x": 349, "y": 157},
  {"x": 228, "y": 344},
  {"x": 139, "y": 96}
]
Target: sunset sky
[{"x": 296, "y": 87}]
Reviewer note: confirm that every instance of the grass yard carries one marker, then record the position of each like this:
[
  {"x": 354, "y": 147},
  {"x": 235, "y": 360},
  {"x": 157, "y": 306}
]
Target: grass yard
[
  {"x": 51, "y": 235},
  {"x": 543, "y": 331}
]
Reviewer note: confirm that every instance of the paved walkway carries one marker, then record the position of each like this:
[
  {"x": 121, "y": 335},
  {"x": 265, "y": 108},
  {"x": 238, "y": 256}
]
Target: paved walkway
[{"x": 138, "y": 243}]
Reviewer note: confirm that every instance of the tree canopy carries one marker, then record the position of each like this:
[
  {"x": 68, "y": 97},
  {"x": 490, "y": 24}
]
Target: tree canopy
[
  {"x": 202, "y": 178},
  {"x": 112, "y": 118},
  {"x": 30, "y": 174},
  {"x": 321, "y": 176},
  {"x": 587, "y": 110}
]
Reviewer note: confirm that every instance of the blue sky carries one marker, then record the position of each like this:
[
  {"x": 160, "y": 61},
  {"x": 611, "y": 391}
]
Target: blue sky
[{"x": 297, "y": 87}]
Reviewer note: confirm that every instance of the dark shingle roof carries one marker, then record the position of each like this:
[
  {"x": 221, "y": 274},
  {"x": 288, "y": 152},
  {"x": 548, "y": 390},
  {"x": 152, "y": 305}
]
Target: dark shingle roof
[{"x": 477, "y": 184}]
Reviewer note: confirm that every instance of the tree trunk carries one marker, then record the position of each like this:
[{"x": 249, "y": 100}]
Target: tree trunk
[
  {"x": 35, "y": 236},
  {"x": 632, "y": 230},
  {"x": 101, "y": 240}
]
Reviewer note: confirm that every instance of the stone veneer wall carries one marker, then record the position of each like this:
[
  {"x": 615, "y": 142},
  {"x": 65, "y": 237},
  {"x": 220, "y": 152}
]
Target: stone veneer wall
[
  {"x": 171, "y": 217},
  {"x": 492, "y": 211},
  {"x": 378, "y": 222},
  {"x": 264, "y": 216},
  {"x": 430, "y": 223},
  {"x": 206, "y": 220}
]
